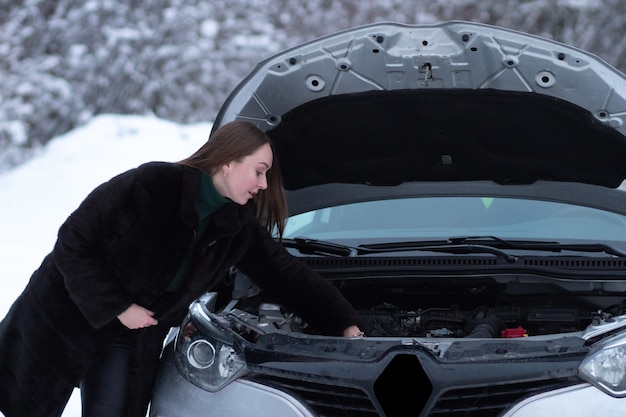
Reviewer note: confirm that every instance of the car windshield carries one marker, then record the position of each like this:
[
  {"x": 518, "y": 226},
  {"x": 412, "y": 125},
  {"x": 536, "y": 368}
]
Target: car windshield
[{"x": 445, "y": 217}]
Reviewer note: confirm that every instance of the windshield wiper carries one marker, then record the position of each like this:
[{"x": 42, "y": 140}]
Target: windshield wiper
[
  {"x": 539, "y": 245},
  {"x": 319, "y": 247},
  {"x": 458, "y": 245},
  {"x": 436, "y": 246}
]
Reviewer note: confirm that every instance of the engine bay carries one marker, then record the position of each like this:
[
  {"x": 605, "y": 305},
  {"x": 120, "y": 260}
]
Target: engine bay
[{"x": 454, "y": 307}]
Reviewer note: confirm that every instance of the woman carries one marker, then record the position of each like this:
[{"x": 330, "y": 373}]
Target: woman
[{"x": 128, "y": 262}]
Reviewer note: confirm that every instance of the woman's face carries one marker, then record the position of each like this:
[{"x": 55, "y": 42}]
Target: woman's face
[{"x": 241, "y": 180}]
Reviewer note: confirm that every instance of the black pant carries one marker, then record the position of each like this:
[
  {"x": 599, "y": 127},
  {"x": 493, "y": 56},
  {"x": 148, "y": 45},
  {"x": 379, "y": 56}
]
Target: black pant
[{"x": 104, "y": 389}]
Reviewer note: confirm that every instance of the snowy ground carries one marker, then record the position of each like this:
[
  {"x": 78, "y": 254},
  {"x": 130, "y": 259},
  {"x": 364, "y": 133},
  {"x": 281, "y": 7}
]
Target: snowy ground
[{"x": 38, "y": 196}]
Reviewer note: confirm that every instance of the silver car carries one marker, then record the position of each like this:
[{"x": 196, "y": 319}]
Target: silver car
[{"x": 461, "y": 185}]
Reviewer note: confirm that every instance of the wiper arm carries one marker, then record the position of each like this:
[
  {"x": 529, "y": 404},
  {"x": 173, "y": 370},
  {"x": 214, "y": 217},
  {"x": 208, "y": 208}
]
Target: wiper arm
[
  {"x": 595, "y": 247},
  {"x": 319, "y": 247}
]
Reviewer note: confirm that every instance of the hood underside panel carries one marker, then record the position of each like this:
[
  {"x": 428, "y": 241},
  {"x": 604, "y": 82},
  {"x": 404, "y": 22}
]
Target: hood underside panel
[{"x": 446, "y": 135}]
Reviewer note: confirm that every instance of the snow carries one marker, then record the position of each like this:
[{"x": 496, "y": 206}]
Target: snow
[{"x": 39, "y": 195}]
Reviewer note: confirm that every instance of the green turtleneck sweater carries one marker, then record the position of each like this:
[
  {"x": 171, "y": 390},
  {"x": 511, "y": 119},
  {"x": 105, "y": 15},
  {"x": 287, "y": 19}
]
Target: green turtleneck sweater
[{"x": 210, "y": 200}]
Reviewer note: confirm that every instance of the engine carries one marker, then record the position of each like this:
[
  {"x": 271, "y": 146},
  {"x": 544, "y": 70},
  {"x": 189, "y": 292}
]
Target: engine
[
  {"x": 483, "y": 321},
  {"x": 453, "y": 307}
]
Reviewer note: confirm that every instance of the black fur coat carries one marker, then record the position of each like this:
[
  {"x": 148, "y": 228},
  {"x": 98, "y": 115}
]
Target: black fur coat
[{"x": 124, "y": 244}]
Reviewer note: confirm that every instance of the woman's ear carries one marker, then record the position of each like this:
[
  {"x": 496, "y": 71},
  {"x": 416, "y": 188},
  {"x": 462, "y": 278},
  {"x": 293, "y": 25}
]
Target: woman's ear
[{"x": 225, "y": 169}]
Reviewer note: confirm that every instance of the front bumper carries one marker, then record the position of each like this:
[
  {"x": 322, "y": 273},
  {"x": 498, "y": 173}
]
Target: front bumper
[{"x": 176, "y": 397}]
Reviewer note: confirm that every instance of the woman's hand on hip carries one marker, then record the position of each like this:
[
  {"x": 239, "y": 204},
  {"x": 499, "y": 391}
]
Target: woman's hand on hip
[{"x": 137, "y": 317}]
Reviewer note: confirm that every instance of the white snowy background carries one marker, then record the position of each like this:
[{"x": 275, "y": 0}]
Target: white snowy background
[{"x": 38, "y": 196}]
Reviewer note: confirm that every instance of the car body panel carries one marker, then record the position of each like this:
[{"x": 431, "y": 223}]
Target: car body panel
[{"x": 389, "y": 56}]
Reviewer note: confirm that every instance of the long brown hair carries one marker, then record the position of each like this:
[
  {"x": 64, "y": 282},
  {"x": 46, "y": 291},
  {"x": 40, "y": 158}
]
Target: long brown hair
[{"x": 232, "y": 142}]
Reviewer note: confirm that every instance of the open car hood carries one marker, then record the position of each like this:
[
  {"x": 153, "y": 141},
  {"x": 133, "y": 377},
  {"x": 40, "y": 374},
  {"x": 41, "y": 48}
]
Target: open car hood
[{"x": 386, "y": 103}]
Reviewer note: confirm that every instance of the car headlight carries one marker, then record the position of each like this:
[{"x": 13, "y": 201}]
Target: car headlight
[
  {"x": 605, "y": 366},
  {"x": 205, "y": 353}
]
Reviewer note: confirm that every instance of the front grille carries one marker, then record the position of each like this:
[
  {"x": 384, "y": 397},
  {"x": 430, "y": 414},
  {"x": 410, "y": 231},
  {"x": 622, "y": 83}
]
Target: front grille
[
  {"x": 329, "y": 400},
  {"x": 489, "y": 401},
  {"x": 325, "y": 399}
]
